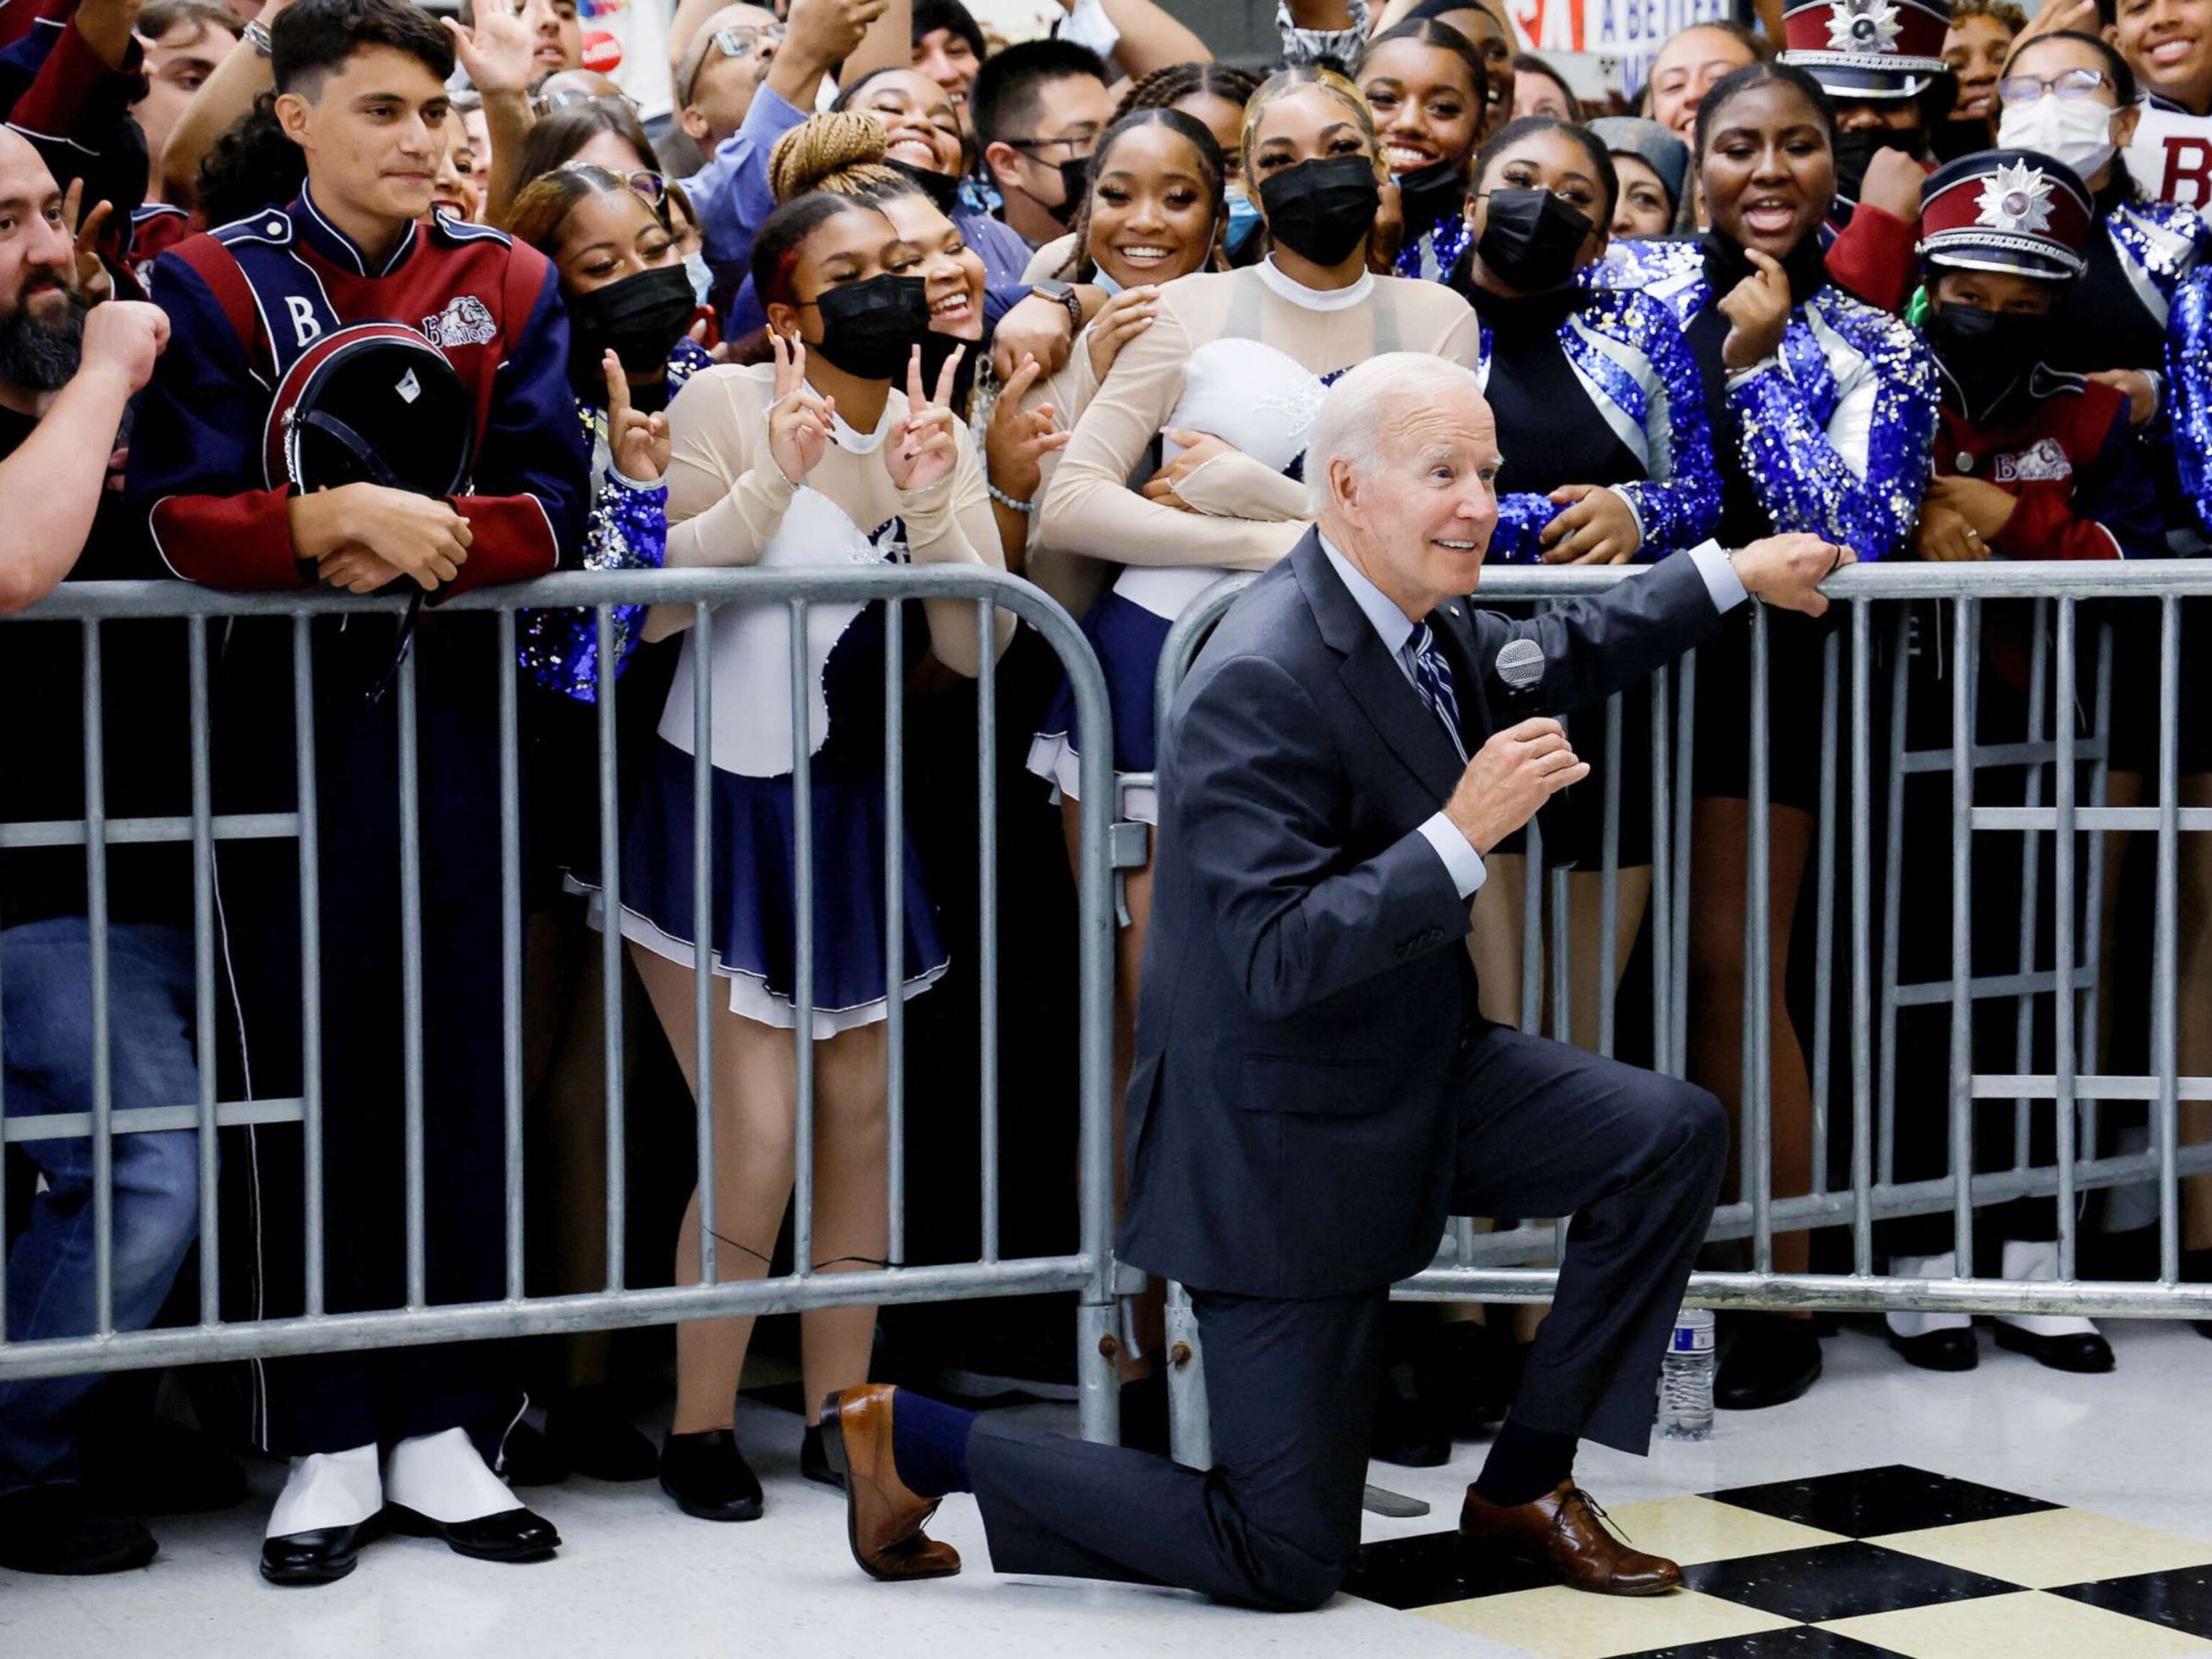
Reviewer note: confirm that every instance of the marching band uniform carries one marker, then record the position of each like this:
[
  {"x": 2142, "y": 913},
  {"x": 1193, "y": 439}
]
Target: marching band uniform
[{"x": 245, "y": 302}]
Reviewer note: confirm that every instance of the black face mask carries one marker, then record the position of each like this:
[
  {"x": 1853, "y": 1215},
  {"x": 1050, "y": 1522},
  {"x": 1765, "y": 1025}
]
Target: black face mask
[
  {"x": 1726, "y": 264},
  {"x": 870, "y": 328},
  {"x": 1074, "y": 185},
  {"x": 1949, "y": 140},
  {"x": 1986, "y": 352},
  {"x": 638, "y": 319},
  {"x": 1322, "y": 210},
  {"x": 1854, "y": 153},
  {"x": 942, "y": 188},
  {"x": 1530, "y": 239},
  {"x": 1430, "y": 194}
]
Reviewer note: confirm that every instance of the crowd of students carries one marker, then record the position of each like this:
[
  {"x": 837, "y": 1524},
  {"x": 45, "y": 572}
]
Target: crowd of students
[{"x": 876, "y": 286}]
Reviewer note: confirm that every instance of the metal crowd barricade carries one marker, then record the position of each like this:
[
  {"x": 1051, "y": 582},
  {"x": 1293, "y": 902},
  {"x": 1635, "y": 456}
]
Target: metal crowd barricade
[
  {"x": 1089, "y": 1271},
  {"x": 1473, "y": 1267}
]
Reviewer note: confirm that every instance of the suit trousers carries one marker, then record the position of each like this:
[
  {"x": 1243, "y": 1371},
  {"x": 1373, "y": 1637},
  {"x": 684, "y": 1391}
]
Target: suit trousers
[{"x": 1542, "y": 1129}]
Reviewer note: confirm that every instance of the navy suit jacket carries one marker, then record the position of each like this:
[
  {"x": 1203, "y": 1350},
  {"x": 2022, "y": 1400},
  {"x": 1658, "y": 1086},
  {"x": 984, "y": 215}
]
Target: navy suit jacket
[{"x": 1291, "y": 1113}]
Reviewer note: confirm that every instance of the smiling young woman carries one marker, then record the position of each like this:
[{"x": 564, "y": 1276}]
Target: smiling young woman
[
  {"x": 1838, "y": 445},
  {"x": 1428, "y": 88}
]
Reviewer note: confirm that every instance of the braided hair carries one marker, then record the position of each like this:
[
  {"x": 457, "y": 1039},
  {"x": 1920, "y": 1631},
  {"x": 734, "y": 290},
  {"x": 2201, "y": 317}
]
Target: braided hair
[
  {"x": 840, "y": 152},
  {"x": 1080, "y": 266},
  {"x": 1165, "y": 88}
]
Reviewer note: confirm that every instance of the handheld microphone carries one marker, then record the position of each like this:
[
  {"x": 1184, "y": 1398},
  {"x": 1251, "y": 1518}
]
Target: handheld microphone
[{"x": 1520, "y": 671}]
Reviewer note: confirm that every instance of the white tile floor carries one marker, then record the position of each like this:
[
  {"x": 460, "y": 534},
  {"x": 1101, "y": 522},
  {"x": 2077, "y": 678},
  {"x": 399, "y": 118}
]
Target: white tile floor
[{"x": 636, "y": 1578}]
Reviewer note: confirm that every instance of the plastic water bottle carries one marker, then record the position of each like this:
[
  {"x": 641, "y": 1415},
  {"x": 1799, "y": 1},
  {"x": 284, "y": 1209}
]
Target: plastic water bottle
[{"x": 1686, "y": 1378}]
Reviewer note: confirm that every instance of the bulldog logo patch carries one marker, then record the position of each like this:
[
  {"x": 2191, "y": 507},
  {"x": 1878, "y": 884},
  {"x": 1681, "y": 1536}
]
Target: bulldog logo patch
[{"x": 465, "y": 321}]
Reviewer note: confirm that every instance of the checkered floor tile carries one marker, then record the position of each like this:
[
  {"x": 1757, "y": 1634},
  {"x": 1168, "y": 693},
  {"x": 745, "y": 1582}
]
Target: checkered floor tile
[{"x": 1874, "y": 1562}]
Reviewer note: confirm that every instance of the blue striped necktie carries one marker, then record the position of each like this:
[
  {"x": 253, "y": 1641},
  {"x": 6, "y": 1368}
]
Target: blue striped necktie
[{"x": 1432, "y": 679}]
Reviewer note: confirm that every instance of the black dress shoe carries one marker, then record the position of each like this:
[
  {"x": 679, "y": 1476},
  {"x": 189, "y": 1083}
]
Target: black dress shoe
[
  {"x": 708, "y": 1476},
  {"x": 1773, "y": 1360},
  {"x": 60, "y": 1529},
  {"x": 595, "y": 1437},
  {"x": 1952, "y": 1350},
  {"x": 814, "y": 1459},
  {"x": 2083, "y": 1351},
  {"x": 513, "y": 1535},
  {"x": 321, "y": 1556}
]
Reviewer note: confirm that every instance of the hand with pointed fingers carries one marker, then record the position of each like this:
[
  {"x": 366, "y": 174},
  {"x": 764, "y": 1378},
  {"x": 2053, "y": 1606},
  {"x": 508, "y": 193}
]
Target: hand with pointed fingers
[
  {"x": 926, "y": 445},
  {"x": 638, "y": 441},
  {"x": 1019, "y": 438},
  {"x": 800, "y": 418}
]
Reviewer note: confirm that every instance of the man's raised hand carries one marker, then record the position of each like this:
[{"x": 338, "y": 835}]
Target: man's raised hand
[{"x": 1511, "y": 776}]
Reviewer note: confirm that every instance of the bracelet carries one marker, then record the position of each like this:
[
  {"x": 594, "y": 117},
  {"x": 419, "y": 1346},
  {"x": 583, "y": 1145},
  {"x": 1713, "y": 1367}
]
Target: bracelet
[
  {"x": 1008, "y": 501},
  {"x": 256, "y": 35}
]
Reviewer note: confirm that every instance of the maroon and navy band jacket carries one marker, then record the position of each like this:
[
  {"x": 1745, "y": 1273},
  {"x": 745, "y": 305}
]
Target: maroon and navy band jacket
[
  {"x": 2062, "y": 444},
  {"x": 245, "y": 300}
]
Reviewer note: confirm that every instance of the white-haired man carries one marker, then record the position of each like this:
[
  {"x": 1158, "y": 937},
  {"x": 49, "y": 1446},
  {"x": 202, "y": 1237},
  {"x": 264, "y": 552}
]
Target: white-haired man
[{"x": 1314, "y": 1091}]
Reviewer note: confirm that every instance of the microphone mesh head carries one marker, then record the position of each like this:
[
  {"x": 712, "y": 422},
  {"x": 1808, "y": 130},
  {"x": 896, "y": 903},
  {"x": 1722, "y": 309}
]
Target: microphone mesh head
[{"x": 1520, "y": 664}]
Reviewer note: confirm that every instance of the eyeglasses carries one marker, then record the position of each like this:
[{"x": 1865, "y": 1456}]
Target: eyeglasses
[
  {"x": 747, "y": 39},
  {"x": 2067, "y": 84},
  {"x": 654, "y": 186}
]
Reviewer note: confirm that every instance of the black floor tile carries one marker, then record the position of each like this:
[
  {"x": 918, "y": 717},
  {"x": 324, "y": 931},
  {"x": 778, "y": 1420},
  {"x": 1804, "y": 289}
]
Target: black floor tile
[
  {"x": 2180, "y": 1598},
  {"x": 1867, "y": 1502},
  {"x": 1435, "y": 1567},
  {"x": 1803, "y": 1642},
  {"x": 1838, "y": 1581}
]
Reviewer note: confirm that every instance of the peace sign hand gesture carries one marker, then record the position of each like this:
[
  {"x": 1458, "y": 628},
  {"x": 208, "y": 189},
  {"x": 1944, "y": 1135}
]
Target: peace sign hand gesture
[
  {"x": 922, "y": 450},
  {"x": 799, "y": 417},
  {"x": 92, "y": 278},
  {"x": 1019, "y": 438},
  {"x": 638, "y": 441}
]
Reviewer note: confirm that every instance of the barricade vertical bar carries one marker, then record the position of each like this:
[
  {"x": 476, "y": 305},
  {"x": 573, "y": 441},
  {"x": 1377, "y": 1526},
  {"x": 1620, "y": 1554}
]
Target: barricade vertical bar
[
  {"x": 103, "y": 1093},
  {"x": 894, "y": 921},
  {"x": 1679, "y": 968},
  {"x": 610, "y": 950},
  {"x": 2061, "y": 924},
  {"x": 1097, "y": 1378},
  {"x": 802, "y": 828},
  {"x": 1563, "y": 1028},
  {"x": 1663, "y": 1058},
  {"x": 1758, "y": 1096},
  {"x": 987, "y": 907},
  {"x": 1962, "y": 1007},
  {"x": 1823, "y": 910},
  {"x": 703, "y": 979},
  {"x": 510, "y": 945},
  {"x": 2163, "y": 969},
  {"x": 311, "y": 950},
  {"x": 2030, "y": 884},
  {"x": 1532, "y": 930},
  {"x": 1608, "y": 899},
  {"x": 203, "y": 1002},
  {"x": 1862, "y": 952},
  {"x": 410, "y": 976},
  {"x": 1893, "y": 881},
  {"x": 2093, "y": 900}
]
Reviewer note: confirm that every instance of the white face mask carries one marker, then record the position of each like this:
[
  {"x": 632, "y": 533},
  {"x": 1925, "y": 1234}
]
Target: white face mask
[{"x": 2076, "y": 131}]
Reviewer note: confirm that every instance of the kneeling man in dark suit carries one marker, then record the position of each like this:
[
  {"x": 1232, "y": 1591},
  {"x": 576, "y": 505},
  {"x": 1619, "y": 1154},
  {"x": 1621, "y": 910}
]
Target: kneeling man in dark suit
[{"x": 1314, "y": 1090}]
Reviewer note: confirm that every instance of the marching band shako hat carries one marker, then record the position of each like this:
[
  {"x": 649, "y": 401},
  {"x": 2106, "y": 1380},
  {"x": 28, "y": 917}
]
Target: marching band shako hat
[
  {"x": 1868, "y": 48},
  {"x": 2006, "y": 210},
  {"x": 376, "y": 403}
]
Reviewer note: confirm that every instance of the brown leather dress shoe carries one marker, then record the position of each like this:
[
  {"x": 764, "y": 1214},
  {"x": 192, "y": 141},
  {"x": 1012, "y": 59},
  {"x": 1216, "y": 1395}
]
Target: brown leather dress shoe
[
  {"x": 883, "y": 1519},
  {"x": 1566, "y": 1529}
]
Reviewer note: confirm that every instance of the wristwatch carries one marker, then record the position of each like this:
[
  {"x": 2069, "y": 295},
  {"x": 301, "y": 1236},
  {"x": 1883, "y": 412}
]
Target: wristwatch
[{"x": 1065, "y": 293}]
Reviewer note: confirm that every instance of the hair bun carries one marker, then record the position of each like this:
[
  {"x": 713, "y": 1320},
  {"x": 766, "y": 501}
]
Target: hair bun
[{"x": 821, "y": 147}]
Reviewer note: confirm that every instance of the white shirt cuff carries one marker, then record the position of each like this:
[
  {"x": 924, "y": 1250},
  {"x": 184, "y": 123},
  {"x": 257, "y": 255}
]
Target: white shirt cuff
[
  {"x": 1721, "y": 580},
  {"x": 1461, "y": 862}
]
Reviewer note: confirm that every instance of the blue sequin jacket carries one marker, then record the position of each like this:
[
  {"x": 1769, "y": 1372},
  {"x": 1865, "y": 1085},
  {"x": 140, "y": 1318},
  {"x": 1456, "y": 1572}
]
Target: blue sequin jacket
[
  {"x": 628, "y": 530},
  {"x": 1629, "y": 354},
  {"x": 2188, "y": 381},
  {"x": 1834, "y": 431}
]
